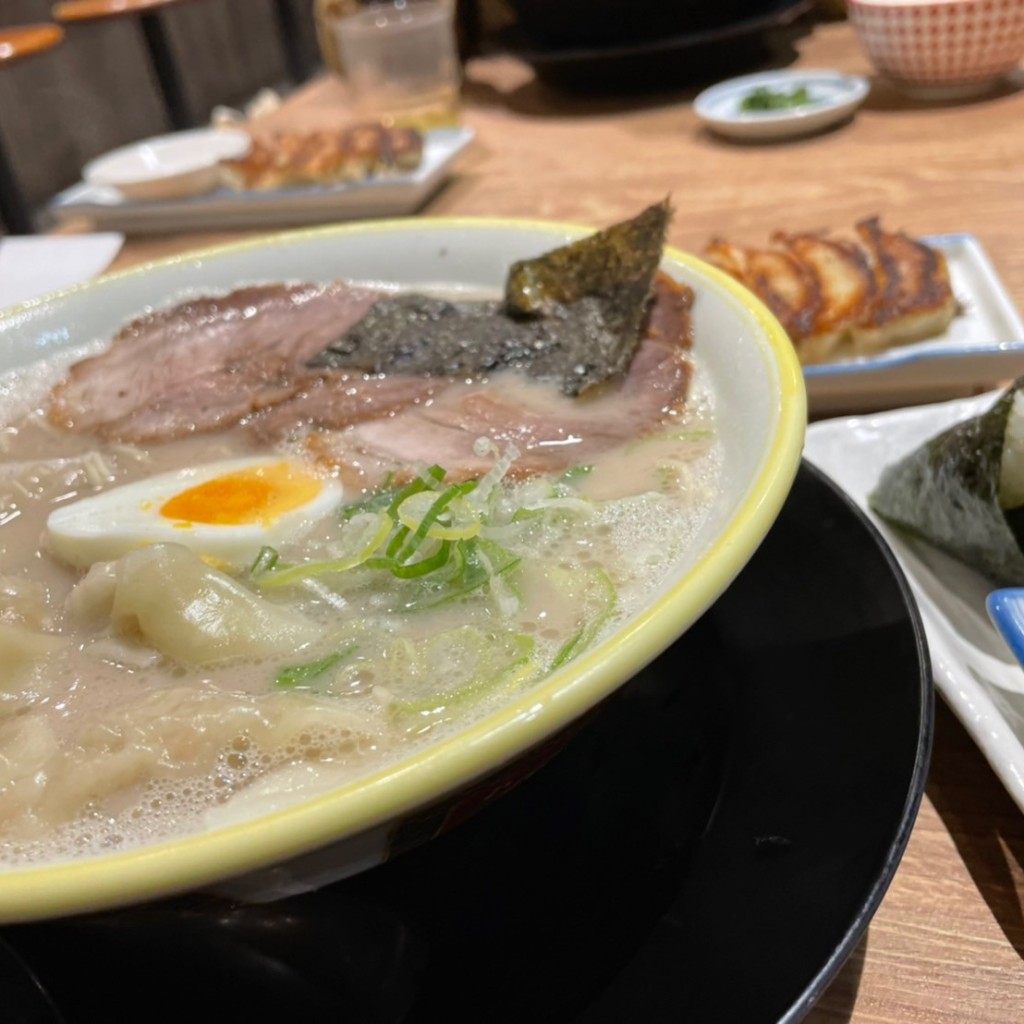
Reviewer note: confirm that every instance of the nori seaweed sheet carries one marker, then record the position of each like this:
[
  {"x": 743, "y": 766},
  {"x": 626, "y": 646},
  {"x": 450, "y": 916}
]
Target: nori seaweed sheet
[
  {"x": 947, "y": 492},
  {"x": 574, "y": 315},
  {"x": 617, "y": 263}
]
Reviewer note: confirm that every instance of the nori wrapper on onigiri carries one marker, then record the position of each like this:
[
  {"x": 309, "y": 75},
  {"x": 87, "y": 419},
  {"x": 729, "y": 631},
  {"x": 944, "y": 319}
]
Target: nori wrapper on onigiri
[{"x": 948, "y": 492}]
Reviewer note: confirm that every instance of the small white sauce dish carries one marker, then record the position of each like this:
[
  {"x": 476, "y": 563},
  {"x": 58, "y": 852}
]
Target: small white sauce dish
[
  {"x": 833, "y": 98},
  {"x": 168, "y": 166}
]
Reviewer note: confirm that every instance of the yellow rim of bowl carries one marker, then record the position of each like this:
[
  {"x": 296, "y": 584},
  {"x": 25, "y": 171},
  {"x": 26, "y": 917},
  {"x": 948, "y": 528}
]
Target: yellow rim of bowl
[{"x": 194, "y": 861}]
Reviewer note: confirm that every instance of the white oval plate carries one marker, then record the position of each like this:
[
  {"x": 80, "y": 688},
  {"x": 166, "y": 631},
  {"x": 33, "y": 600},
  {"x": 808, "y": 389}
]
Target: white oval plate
[
  {"x": 166, "y": 155},
  {"x": 834, "y": 97},
  {"x": 172, "y": 166},
  {"x": 973, "y": 667}
]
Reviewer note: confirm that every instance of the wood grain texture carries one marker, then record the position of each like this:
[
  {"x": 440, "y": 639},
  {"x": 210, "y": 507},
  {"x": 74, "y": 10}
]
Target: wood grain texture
[
  {"x": 947, "y": 943},
  {"x": 927, "y": 169}
]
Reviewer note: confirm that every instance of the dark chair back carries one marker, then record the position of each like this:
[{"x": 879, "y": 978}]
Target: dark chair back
[
  {"x": 225, "y": 51},
  {"x": 91, "y": 93}
]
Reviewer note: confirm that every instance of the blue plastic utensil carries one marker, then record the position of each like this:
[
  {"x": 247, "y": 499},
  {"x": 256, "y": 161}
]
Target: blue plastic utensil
[{"x": 1006, "y": 610}]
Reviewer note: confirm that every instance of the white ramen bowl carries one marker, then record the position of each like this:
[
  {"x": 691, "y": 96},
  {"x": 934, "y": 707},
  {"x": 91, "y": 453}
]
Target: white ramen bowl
[{"x": 758, "y": 387}]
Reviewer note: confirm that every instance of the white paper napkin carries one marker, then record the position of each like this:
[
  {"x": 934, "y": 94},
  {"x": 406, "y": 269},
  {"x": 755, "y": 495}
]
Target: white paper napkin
[{"x": 32, "y": 265}]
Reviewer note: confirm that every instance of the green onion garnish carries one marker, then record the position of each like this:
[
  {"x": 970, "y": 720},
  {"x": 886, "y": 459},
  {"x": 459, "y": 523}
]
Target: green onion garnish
[
  {"x": 299, "y": 675},
  {"x": 265, "y": 560}
]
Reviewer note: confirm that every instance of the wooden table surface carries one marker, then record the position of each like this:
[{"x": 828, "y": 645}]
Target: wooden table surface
[{"x": 946, "y": 946}]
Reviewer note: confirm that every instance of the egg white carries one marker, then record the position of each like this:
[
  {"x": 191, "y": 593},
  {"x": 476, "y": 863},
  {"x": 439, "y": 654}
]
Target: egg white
[{"x": 106, "y": 526}]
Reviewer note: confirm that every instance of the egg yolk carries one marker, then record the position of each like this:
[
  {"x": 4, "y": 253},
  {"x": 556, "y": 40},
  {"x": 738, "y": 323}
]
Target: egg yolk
[{"x": 258, "y": 495}]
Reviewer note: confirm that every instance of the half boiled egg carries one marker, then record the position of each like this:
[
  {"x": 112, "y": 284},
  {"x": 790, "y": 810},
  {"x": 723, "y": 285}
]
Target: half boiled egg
[{"x": 224, "y": 510}]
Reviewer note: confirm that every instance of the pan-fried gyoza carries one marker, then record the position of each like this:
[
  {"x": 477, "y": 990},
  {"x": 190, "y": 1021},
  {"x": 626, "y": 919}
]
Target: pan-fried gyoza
[{"x": 843, "y": 297}]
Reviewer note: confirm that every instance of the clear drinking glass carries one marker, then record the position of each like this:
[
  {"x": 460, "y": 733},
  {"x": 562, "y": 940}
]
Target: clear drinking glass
[{"x": 402, "y": 63}]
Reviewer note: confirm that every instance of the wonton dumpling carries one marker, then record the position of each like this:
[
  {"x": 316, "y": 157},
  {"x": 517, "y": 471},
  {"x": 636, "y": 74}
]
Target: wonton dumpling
[
  {"x": 24, "y": 602},
  {"x": 171, "y": 735},
  {"x": 175, "y": 602},
  {"x": 27, "y": 746},
  {"x": 20, "y": 649}
]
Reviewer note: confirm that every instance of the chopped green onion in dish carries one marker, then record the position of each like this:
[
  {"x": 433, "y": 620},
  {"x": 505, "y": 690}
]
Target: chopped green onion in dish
[{"x": 762, "y": 98}]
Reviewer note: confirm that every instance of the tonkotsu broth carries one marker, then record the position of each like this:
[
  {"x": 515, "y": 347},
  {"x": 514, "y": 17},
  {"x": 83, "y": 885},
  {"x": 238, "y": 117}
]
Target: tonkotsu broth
[{"x": 107, "y": 744}]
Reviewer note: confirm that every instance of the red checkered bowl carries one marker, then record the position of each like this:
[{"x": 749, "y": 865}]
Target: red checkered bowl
[{"x": 941, "y": 48}]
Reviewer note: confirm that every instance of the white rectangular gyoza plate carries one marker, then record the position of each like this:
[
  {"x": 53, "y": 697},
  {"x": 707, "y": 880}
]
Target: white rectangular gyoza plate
[
  {"x": 982, "y": 346},
  {"x": 394, "y": 195}
]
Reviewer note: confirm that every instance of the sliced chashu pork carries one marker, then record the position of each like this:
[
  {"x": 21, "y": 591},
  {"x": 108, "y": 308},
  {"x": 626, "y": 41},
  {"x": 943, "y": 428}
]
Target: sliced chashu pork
[
  {"x": 214, "y": 362},
  {"x": 549, "y": 430},
  {"x": 206, "y": 363}
]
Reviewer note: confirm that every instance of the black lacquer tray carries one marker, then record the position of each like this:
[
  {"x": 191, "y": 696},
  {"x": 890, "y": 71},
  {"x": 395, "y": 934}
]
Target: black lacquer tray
[{"x": 709, "y": 847}]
